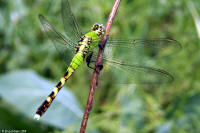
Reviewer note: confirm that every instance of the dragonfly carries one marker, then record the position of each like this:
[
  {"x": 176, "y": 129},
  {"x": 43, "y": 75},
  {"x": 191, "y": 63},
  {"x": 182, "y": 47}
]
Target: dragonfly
[{"x": 131, "y": 58}]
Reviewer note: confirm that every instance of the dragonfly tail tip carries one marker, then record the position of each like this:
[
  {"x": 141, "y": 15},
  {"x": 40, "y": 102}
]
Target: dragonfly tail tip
[{"x": 37, "y": 117}]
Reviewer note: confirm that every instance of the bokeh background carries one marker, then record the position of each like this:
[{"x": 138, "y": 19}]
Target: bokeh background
[{"x": 30, "y": 66}]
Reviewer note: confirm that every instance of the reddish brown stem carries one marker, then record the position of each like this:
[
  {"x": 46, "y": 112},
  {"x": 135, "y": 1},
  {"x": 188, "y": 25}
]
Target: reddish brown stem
[{"x": 94, "y": 82}]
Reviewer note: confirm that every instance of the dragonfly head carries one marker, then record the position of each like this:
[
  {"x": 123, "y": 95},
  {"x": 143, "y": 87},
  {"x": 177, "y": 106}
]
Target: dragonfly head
[{"x": 99, "y": 29}]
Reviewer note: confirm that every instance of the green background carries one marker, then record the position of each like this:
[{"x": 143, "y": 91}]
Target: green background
[{"x": 165, "y": 108}]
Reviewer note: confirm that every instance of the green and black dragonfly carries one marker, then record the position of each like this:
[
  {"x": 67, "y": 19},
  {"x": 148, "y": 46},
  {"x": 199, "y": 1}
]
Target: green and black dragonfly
[{"x": 133, "y": 57}]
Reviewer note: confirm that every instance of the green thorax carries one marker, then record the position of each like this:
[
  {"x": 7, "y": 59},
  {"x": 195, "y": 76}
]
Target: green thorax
[
  {"x": 93, "y": 35},
  {"x": 86, "y": 45}
]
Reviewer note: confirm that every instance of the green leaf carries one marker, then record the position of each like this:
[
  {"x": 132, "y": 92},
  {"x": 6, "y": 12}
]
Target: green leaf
[{"x": 26, "y": 91}]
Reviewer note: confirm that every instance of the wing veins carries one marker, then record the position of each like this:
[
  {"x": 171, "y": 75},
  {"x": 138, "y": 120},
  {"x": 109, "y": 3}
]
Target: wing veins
[{"x": 49, "y": 28}]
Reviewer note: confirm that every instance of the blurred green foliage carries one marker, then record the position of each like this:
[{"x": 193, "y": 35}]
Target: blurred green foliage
[{"x": 166, "y": 108}]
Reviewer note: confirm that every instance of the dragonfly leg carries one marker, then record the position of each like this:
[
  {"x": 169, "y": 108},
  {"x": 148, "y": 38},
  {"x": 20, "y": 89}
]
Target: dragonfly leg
[
  {"x": 102, "y": 43},
  {"x": 100, "y": 66},
  {"x": 88, "y": 64},
  {"x": 90, "y": 61},
  {"x": 101, "y": 46}
]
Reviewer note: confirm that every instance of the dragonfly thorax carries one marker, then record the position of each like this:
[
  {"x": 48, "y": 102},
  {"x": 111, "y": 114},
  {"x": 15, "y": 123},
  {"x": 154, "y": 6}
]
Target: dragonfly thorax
[
  {"x": 83, "y": 45},
  {"x": 99, "y": 29}
]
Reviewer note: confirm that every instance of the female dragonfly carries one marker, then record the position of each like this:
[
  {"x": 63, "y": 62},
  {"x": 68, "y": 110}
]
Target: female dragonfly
[{"x": 132, "y": 57}]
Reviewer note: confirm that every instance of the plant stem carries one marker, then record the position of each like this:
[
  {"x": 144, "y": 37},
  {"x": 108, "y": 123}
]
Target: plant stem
[{"x": 94, "y": 82}]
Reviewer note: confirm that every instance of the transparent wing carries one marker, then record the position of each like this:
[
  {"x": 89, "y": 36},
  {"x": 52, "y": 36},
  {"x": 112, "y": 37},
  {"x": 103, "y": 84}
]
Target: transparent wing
[
  {"x": 70, "y": 24},
  {"x": 64, "y": 46},
  {"x": 125, "y": 73},
  {"x": 139, "y": 60}
]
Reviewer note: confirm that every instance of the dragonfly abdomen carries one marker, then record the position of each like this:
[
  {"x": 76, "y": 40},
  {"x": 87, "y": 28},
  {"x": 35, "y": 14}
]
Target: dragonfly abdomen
[
  {"x": 45, "y": 105},
  {"x": 76, "y": 62}
]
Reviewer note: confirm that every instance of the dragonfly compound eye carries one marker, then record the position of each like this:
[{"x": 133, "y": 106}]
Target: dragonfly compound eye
[{"x": 95, "y": 27}]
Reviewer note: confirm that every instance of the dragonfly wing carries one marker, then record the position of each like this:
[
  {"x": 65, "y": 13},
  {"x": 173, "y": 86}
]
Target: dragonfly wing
[
  {"x": 139, "y": 60},
  {"x": 125, "y": 73},
  {"x": 70, "y": 24},
  {"x": 64, "y": 46},
  {"x": 143, "y": 48}
]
